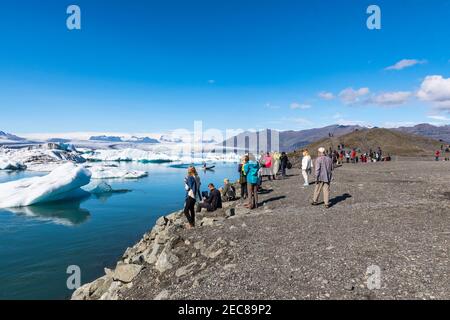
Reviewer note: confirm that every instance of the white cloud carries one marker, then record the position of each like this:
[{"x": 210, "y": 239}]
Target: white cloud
[
  {"x": 351, "y": 96},
  {"x": 436, "y": 89},
  {"x": 326, "y": 95},
  {"x": 390, "y": 98},
  {"x": 346, "y": 122},
  {"x": 271, "y": 106},
  {"x": 406, "y": 63},
  {"x": 439, "y": 118},
  {"x": 398, "y": 124},
  {"x": 296, "y": 105}
]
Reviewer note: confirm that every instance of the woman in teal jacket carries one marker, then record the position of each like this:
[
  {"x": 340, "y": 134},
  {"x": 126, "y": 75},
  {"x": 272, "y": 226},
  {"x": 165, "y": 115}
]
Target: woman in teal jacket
[{"x": 251, "y": 169}]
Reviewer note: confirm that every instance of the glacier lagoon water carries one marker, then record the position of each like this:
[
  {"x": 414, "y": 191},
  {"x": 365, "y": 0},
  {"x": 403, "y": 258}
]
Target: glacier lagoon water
[{"x": 38, "y": 243}]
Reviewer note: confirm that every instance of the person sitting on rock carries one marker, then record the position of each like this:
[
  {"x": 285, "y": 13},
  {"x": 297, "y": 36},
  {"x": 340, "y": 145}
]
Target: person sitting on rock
[
  {"x": 228, "y": 192},
  {"x": 213, "y": 201}
]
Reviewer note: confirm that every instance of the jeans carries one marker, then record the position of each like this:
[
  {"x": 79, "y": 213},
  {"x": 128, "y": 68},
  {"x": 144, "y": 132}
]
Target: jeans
[
  {"x": 189, "y": 210},
  {"x": 244, "y": 191}
]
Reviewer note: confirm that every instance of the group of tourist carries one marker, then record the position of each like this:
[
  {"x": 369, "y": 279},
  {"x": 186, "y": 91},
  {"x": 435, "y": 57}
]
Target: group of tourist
[{"x": 251, "y": 174}]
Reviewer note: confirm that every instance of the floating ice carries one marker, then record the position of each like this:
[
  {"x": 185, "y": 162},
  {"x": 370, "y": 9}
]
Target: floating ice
[
  {"x": 11, "y": 165},
  {"x": 62, "y": 183},
  {"x": 112, "y": 172}
]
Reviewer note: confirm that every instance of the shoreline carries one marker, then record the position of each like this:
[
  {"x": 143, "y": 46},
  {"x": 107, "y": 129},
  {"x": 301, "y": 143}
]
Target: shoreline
[{"x": 155, "y": 250}]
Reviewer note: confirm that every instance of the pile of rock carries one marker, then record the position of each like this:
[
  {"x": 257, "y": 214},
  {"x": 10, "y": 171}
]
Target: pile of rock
[{"x": 163, "y": 249}]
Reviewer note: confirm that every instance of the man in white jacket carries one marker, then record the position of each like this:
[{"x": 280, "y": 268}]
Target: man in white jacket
[{"x": 307, "y": 166}]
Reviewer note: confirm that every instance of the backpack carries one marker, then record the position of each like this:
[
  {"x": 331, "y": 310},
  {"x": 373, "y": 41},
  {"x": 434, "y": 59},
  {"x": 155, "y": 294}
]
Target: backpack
[{"x": 289, "y": 165}]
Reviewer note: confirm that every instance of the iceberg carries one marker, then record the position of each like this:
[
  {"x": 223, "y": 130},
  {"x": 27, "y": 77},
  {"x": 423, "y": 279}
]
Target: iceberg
[
  {"x": 157, "y": 155},
  {"x": 11, "y": 165},
  {"x": 43, "y": 158},
  {"x": 63, "y": 183},
  {"x": 103, "y": 188},
  {"x": 112, "y": 172}
]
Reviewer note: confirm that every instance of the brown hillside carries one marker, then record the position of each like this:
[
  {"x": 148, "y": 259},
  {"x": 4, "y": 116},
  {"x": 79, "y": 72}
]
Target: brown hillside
[{"x": 391, "y": 142}]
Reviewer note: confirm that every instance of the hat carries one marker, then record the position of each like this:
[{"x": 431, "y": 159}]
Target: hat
[{"x": 321, "y": 150}]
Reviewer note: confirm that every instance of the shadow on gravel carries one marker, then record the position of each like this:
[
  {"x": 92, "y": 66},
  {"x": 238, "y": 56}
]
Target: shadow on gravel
[
  {"x": 274, "y": 199},
  {"x": 338, "y": 199}
]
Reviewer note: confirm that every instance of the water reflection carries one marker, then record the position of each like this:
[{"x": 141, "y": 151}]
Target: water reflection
[{"x": 63, "y": 213}]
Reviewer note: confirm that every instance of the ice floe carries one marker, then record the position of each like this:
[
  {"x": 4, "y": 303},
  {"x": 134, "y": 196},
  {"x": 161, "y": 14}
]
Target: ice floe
[
  {"x": 113, "y": 172},
  {"x": 63, "y": 183},
  {"x": 11, "y": 165}
]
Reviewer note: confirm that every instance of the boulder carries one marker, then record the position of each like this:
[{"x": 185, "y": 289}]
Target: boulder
[
  {"x": 166, "y": 261},
  {"x": 152, "y": 256},
  {"x": 126, "y": 272},
  {"x": 230, "y": 212},
  {"x": 82, "y": 293},
  {"x": 99, "y": 287},
  {"x": 185, "y": 269}
]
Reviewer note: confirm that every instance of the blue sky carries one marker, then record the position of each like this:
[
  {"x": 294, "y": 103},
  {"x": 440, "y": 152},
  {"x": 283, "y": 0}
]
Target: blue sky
[{"x": 150, "y": 66}]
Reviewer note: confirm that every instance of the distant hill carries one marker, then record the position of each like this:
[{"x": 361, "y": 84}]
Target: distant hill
[
  {"x": 10, "y": 137},
  {"x": 428, "y": 130},
  {"x": 391, "y": 142},
  {"x": 120, "y": 139},
  {"x": 293, "y": 140}
]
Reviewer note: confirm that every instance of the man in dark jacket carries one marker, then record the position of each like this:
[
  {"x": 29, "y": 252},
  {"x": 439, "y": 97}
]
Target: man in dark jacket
[
  {"x": 213, "y": 201},
  {"x": 284, "y": 163}
]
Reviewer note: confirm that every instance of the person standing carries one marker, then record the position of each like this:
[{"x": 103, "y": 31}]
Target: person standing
[
  {"x": 251, "y": 168},
  {"x": 306, "y": 167},
  {"x": 243, "y": 180},
  {"x": 190, "y": 185},
  {"x": 437, "y": 154},
  {"x": 284, "y": 160},
  {"x": 324, "y": 169},
  {"x": 276, "y": 166}
]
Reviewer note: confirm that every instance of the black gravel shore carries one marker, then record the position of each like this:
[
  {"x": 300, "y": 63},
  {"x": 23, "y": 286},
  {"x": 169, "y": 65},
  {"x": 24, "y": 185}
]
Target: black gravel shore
[{"x": 392, "y": 216}]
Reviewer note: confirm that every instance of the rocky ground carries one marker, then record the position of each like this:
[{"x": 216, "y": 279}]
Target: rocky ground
[{"x": 394, "y": 216}]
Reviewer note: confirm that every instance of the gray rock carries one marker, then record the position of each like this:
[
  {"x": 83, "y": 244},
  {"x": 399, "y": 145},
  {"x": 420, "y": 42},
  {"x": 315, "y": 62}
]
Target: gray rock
[
  {"x": 231, "y": 212},
  {"x": 185, "y": 270},
  {"x": 126, "y": 272},
  {"x": 166, "y": 261},
  {"x": 82, "y": 293},
  {"x": 100, "y": 287},
  {"x": 152, "y": 256},
  {"x": 163, "y": 295},
  {"x": 162, "y": 221},
  {"x": 113, "y": 291}
]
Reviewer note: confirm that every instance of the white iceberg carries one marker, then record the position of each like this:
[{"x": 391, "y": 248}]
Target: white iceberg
[
  {"x": 62, "y": 183},
  {"x": 158, "y": 155},
  {"x": 112, "y": 172},
  {"x": 44, "y": 158},
  {"x": 11, "y": 165}
]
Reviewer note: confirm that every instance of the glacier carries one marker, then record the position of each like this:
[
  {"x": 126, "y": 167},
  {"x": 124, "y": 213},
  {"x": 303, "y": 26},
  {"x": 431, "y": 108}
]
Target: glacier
[{"x": 63, "y": 183}]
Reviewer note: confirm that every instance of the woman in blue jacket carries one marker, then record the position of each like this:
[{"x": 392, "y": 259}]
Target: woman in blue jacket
[{"x": 191, "y": 187}]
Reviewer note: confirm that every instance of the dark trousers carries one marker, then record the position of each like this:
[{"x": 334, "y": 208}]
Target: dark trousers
[
  {"x": 283, "y": 171},
  {"x": 252, "y": 195},
  {"x": 189, "y": 210},
  {"x": 244, "y": 191}
]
